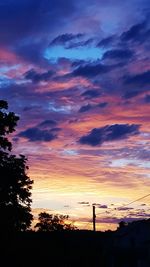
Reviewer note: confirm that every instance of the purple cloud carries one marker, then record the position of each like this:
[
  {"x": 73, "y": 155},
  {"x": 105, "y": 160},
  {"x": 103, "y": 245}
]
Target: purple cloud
[
  {"x": 65, "y": 38},
  {"x": 83, "y": 203},
  {"x": 91, "y": 93},
  {"x": 92, "y": 70},
  {"x": 106, "y": 41},
  {"x": 109, "y": 133},
  {"x": 118, "y": 54},
  {"x": 103, "y": 207},
  {"x": 34, "y": 134},
  {"x": 137, "y": 33},
  {"x": 141, "y": 79},
  {"x": 85, "y": 108},
  {"x": 38, "y": 77}
]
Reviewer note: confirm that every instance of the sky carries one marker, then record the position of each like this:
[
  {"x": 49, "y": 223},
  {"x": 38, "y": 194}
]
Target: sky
[{"x": 78, "y": 75}]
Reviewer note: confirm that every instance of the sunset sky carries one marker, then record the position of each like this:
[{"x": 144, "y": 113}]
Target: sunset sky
[{"x": 78, "y": 75}]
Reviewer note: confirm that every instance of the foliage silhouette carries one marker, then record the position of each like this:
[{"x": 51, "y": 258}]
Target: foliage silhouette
[
  {"x": 122, "y": 224},
  {"x": 50, "y": 222},
  {"x": 15, "y": 185}
]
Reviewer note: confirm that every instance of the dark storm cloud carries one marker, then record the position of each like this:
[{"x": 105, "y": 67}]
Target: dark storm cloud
[
  {"x": 65, "y": 38},
  {"x": 35, "y": 134},
  {"x": 91, "y": 93},
  {"x": 118, "y": 54},
  {"x": 141, "y": 79},
  {"x": 38, "y": 77},
  {"x": 109, "y": 133},
  {"x": 92, "y": 70},
  {"x": 137, "y": 33}
]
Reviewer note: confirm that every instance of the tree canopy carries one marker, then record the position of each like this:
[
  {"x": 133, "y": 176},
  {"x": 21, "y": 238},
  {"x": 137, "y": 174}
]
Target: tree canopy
[
  {"x": 15, "y": 185},
  {"x": 50, "y": 222}
]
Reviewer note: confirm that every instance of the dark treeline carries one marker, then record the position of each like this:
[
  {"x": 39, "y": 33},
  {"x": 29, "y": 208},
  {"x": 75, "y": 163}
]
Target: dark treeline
[{"x": 128, "y": 247}]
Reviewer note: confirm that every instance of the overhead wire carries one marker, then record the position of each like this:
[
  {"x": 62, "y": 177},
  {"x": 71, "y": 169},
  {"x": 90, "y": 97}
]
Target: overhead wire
[
  {"x": 130, "y": 202},
  {"x": 127, "y": 204}
]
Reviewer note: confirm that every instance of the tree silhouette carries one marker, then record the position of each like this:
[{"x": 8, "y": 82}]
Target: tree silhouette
[
  {"x": 122, "y": 224},
  {"x": 50, "y": 222},
  {"x": 15, "y": 185}
]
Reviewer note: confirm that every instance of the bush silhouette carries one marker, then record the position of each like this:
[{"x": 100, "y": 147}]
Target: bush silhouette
[{"x": 50, "y": 222}]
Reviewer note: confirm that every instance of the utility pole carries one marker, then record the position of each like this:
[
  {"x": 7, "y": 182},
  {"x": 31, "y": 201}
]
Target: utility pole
[{"x": 94, "y": 219}]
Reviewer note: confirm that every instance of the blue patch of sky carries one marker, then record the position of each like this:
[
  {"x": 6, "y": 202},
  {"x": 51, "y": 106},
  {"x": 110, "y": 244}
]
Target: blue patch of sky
[
  {"x": 5, "y": 69},
  {"x": 126, "y": 162},
  {"x": 4, "y": 82},
  {"x": 60, "y": 109},
  {"x": 82, "y": 53},
  {"x": 70, "y": 152}
]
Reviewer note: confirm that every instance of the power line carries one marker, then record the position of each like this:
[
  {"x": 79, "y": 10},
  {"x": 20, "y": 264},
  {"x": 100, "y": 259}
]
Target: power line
[
  {"x": 120, "y": 207},
  {"x": 134, "y": 201},
  {"x": 88, "y": 223},
  {"x": 129, "y": 203}
]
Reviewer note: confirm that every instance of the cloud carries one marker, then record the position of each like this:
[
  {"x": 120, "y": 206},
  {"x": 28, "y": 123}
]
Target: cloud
[
  {"x": 83, "y": 203},
  {"x": 78, "y": 62},
  {"x": 56, "y": 129},
  {"x": 118, "y": 54},
  {"x": 137, "y": 33},
  {"x": 85, "y": 108},
  {"x": 47, "y": 123},
  {"x": 70, "y": 41},
  {"x": 91, "y": 70},
  {"x": 85, "y": 43},
  {"x": 27, "y": 26},
  {"x": 91, "y": 94},
  {"x": 131, "y": 94},
  {"x": 102, "y": 105},
  {"x": 65, "y": 38},
  {"x": 32, "y": 51},
  {"x": 34, "y": 134},
  {"x": 138, "y": 79},
  {"x": 103, "y": 207},
  {"x": 124, "y": 208},
  {"x": 109, "y": 133},
  {"x": 32, "y": 18},
  {"x": 106, "y": 41},
  {"x": 38, "y": 77},
  {"x": 147, "y": 99},
  {"x": 93, "y": 107}
]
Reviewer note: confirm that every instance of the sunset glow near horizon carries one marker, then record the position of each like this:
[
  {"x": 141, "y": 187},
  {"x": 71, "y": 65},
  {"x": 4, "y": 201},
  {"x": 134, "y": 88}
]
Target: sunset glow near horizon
[{"x": 78, "y": 75}]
